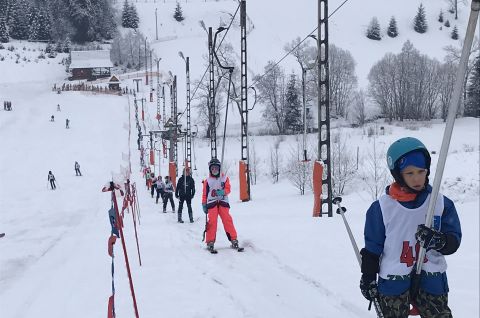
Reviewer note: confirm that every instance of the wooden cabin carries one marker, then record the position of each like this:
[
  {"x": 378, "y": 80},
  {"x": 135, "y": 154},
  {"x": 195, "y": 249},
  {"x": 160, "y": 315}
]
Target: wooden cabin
[{"x": 90, "y": 65}]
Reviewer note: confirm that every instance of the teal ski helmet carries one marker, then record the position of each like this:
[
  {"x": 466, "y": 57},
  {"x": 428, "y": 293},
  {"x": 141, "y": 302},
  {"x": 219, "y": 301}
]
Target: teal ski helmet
[{"x": 399, "y": 149}]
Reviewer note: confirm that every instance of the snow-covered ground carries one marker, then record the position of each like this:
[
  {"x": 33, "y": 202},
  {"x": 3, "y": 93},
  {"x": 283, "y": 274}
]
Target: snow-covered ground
[{"x": 53, "y": 258}]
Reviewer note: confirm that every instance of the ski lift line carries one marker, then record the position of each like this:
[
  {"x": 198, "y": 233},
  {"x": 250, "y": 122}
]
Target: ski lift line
[
  {"x": 221, "y": 41},
  {"x": 296, "y": 46}
]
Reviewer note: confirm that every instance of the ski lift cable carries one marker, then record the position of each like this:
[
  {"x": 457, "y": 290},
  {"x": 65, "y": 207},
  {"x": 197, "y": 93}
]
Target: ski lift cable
[
  {"x": 221, "y": 41},
  {"x": 294, "y": 48}
]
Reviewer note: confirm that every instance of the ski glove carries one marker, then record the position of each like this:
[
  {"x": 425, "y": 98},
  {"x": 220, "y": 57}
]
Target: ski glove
[
  {"x": 205, "y": 209},
  {"x": 430, "y": 238},
  {"x": 220, "y": 193},
  {"x": 368, "y": 286}
]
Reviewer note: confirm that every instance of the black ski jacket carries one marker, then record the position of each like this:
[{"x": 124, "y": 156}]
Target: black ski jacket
[{"x": 180, "y": 190}]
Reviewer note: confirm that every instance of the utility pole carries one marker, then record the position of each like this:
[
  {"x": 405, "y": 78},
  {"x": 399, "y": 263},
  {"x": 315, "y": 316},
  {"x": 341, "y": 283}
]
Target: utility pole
[
  {"x": 157, "y": 61},
  {"x": 211, "y": 97},
  {"x": 244, "y": 102},
  {"x": 188, "y": 137},
  {"x": 146, "y": 63},
  {"x": 156, "y": 25}
]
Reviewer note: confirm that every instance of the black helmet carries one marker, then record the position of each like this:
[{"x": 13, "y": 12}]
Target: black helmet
[{"x": 214, "y": 162}]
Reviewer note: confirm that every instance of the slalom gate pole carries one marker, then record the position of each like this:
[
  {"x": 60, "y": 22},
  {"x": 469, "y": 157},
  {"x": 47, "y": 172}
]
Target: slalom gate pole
[
  {"x": 452, "y": 112},
  {"x": 341, "y": 210},
  {"x": 117, "y": 215}
]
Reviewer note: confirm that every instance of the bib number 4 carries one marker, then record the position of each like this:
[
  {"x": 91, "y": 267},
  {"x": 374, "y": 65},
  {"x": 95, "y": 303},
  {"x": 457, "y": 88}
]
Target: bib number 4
[{"x": 407, "y": 255}]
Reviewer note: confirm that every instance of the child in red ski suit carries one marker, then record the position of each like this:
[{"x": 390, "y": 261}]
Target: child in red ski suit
[{"x": 216, "y": 189}]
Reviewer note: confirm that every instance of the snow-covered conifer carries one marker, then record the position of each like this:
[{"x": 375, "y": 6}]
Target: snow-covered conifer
[{"x": 420, "y": 21}]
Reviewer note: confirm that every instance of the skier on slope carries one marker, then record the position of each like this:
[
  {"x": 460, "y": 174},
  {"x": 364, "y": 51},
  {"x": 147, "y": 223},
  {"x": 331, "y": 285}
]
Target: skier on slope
[
  {"x": 51, "y": 179},
  {"x": 58, "y": 107},
  {"x": 216, "y": 188},
  {"x": 168, "y": 195},
  {"x": 160, "y": 186},
  {"x": 394, "y": 231},
  {"x": 154, "y": 184},
  {"x": 77, "y": 169},
  {"x": 185, "y": 191}
]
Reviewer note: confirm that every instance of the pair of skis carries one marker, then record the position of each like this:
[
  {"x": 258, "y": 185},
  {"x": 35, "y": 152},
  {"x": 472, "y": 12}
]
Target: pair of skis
[{"x": 214, "y": 251}]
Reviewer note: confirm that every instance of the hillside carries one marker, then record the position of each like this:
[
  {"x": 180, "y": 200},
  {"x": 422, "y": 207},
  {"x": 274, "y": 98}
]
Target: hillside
[{"x": 54, "y": 261}]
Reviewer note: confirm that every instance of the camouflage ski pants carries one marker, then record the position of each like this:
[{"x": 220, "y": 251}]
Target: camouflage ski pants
[{"x": 429, "y": 306}]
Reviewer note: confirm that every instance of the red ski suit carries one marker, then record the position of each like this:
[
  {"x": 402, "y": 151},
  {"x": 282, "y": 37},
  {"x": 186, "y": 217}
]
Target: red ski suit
[{"x": 218, "y": 205}]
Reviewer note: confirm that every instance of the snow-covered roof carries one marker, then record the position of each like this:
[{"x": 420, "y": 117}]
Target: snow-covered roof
[{"x": 91, "y": 59}]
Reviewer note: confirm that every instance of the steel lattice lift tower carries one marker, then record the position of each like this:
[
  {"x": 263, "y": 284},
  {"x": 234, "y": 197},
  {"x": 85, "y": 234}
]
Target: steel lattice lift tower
[
  {"x": 324, "y": 111},
  {"x": 244, "y": 93}
]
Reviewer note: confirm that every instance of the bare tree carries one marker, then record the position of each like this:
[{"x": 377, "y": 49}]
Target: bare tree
[
  {"x": 271, "y": 89},
  {"x": 358, "y": 108},
  {"x": 254, "y": 162},
  {"x": 299, "y": 172},
  {"x": 343, "y": 80},
  {"x": 448, "y": 73},
  {"x": 375, "y": 175},
  {"x": 453, "y": 56},
  {"x": 343, "y": 163},
  {"x": 406, "y": 85},
  {"x": 275, "y": 160}
]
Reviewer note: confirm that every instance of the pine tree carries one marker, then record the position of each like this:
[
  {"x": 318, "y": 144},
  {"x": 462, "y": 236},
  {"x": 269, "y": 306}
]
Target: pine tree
[
  {"x": 293, "y": 115},
  {"x": 178, "y": 15},
  {"x": 67, "y": 44},
  {"x": 440, "y": 17},
  {"x": 447, "y": 24},
  {"x": 126, "y": 16},
  {"x": 134, "y": 19},
  {"x": 472, "y": 107},
  {"x": 420, "y": 21},
  {"x": 18, "y": 21},
  {"x": 4, "y": 38},
  {"x": 454, "y": 34},
  {"x": 43, "y": 21},
  {"x": 32, "y": 24},
  {"x": 392, "y": 28},
  {"x": 373, "y": 30}
]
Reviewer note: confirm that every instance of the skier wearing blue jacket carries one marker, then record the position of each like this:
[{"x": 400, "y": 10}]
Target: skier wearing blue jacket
[{"x": 394, "y": 231}]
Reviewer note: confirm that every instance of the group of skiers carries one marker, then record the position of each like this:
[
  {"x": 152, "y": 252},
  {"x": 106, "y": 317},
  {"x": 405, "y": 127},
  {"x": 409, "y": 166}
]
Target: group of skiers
[
  {"x": 51, "y": 178},
  {"x": 67, "y": 121},
  {"x": 184, "y": 191},
  {"x": 394, "y": 231},
  {"x": 216, "y": 188}
]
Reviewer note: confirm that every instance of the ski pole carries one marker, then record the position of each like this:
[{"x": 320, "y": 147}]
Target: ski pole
[
  {"x": 452, "y": 112},
  {"x": 341, "y": 210}
]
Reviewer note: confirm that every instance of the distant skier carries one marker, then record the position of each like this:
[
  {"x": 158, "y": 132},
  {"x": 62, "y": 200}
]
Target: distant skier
[
  {"x": 51, "y": 178},
  {"x": 52, "y": 118},
  {"x": 77, "y": 169},
  {"x": 216, "y": 189},
  {"x": 185, "y": 191},
  {"x": 58, "y": 108},
  {"x": 395, "y": 230},
  {"x": 67, "y": 123},
  {"x": 168, "y": 195}
]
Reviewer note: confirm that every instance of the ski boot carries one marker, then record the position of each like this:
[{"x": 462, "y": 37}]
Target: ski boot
[
  {"x": 211, "y": 248},
  {"x": 236, "y": 247}
]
